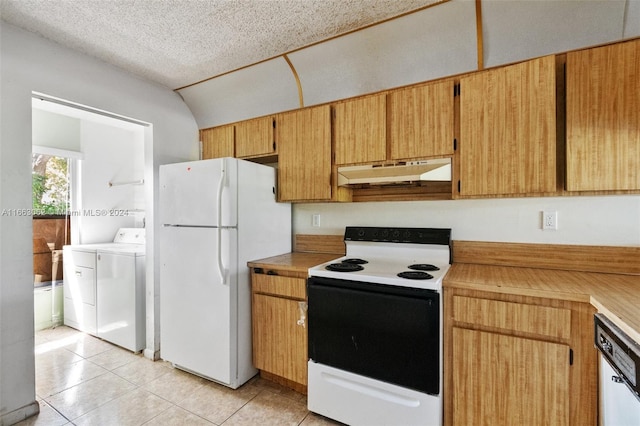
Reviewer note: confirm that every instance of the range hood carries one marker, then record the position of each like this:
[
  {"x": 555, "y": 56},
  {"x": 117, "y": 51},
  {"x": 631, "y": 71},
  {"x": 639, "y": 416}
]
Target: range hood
[{"x": 398, "y": 173}]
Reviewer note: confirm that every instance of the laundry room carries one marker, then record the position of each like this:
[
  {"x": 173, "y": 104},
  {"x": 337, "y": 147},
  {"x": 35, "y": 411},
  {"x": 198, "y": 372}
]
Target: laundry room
[{"x": 88, "y": 182}]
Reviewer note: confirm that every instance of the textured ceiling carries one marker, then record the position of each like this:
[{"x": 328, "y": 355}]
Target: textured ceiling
[{"x": 180, "y": 42}]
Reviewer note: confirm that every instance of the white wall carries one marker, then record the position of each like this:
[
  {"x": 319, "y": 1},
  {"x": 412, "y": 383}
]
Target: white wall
[
  {"x": 610, "y": 220},
  {"x": 110, "y": 154},
  {"x": 55, "y": 131},
  {"x": 530, "y": 28},
  {"x": 259, "y": 90},
  {"x": 425, "y": 45},
  {"x": 29, "y": 63}
]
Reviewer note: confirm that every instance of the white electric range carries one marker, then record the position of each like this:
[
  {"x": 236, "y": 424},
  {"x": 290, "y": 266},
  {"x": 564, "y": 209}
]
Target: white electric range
[{"x": 375, "y": 327}]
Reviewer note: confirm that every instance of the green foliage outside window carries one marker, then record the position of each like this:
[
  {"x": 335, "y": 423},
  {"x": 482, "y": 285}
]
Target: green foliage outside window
[{"x": 50, "y": 181}]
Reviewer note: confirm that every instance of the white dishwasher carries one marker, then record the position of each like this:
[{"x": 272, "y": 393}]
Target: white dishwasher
[
  {"x": 619, "y": 374},
  {"x": 116, "y": 310}
]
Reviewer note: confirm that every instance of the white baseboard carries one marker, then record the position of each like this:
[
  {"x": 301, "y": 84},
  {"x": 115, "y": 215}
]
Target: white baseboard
[
  {"x": 20, "y": 414},
  {"x": 151, "y": 354}
]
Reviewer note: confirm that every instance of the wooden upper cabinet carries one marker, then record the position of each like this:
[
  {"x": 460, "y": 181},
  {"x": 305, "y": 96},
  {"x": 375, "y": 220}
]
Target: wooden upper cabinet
[
  {"x": 420, "y": 121},
  {"x": 217, "y": 142},
  {"x": 360, "y": 130},
  {"x": 603, "y": 118},
  {"x": 255, "y": 138},
  {"x": 508, "y": 130},
  {"x": 405, "y": 124},
  {"x": 304, "y": 154}
]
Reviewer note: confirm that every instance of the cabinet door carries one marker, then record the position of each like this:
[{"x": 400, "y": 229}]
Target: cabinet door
[
  {"x": 508, "y": 130},
  {"x": 304, "y": 154},
  {"x": 360, "y": 130},
  {"x": 499, "y": 379},
  {"x": 217, "y": 142},
  {"x": 421, "y": 121},
  {"x": 603, "y": 118},
  {"x": 279, "y": 343},
  {"x": 254, "y": 138}
]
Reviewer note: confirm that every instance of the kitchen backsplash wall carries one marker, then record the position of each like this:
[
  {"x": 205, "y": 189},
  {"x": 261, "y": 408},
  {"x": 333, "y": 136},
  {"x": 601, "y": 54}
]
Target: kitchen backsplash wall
[{"x": 610, "y": 220}]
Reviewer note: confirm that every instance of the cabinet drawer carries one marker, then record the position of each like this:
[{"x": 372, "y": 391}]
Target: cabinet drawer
[
  {"x": 80, "y": 258},
  {"x": 516, "y": 317},
  {"x": 291, "y": 287}
]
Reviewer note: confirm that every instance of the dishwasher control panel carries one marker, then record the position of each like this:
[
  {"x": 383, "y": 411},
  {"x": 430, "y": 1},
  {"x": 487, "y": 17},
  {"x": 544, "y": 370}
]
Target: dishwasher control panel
[{"x": 622, "y": 353}]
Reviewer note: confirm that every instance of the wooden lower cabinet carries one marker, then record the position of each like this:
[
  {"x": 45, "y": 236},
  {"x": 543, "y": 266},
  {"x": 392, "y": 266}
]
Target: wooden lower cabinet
[
  {"x": 518, "y": 360},
  {"x": 279, "y": 328},
  {"x": 501, "y": 379}
]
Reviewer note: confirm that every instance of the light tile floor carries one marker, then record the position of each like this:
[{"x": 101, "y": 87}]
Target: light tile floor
[{"x": 83, "y": 380}]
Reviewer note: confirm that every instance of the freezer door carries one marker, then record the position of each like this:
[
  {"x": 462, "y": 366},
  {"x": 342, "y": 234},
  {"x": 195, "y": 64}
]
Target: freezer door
[
  {"x": 197, "y": 193},
  {"x": 197, "y": 311}
]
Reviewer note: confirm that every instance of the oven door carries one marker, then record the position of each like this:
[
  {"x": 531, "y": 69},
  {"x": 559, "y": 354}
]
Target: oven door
[{"x": 387, "y": 333}]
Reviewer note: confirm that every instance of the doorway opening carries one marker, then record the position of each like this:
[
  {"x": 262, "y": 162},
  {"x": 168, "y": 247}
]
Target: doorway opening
[{"x": 80, "y": 159}]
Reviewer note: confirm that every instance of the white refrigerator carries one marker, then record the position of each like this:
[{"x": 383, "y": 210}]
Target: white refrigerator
[{"x": 216, "y": 215}]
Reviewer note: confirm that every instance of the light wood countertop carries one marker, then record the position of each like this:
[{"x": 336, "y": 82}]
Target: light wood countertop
[
  {"x": 615, "y": 295},
  {"x": 293, "y": 262}
]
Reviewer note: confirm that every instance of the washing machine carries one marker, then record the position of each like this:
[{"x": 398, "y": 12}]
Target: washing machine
[{"x": 105, "y": 288}]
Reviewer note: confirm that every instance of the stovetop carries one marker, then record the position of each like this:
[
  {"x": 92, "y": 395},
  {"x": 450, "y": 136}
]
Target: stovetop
[{"x": 407, "y": 257}]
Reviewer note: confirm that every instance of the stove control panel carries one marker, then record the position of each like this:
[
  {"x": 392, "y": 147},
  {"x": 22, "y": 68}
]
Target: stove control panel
[
  {"x": 438, "y": 236},
  {"x": 622, "y": 353}
]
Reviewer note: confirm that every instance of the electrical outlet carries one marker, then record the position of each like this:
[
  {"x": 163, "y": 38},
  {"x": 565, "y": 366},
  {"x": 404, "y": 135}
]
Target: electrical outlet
[
  {"x": 315, "y": 220},
  {"x": 550, "y": 220}
]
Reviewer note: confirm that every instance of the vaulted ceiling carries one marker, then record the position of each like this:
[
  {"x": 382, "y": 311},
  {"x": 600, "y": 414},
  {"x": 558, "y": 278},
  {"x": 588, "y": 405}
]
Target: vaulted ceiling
[{"x": 180, "y": 42}]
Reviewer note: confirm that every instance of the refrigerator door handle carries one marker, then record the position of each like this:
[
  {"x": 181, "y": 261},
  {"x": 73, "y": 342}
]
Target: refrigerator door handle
[
  {"x": 221, "y": 268},
  {"x": 220, "y": 189}
]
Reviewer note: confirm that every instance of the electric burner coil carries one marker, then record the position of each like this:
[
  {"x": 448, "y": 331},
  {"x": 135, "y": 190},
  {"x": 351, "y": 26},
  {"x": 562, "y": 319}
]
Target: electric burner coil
[
  {"x": 423, "y": 267},
  {"x": 344, "y": 267},
  {"x": 415, "y": 275}
]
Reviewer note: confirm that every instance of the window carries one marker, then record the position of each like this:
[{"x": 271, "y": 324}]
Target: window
[
  {"x": 51, "y": 185},
  {"x": 51, "y": 180}
]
